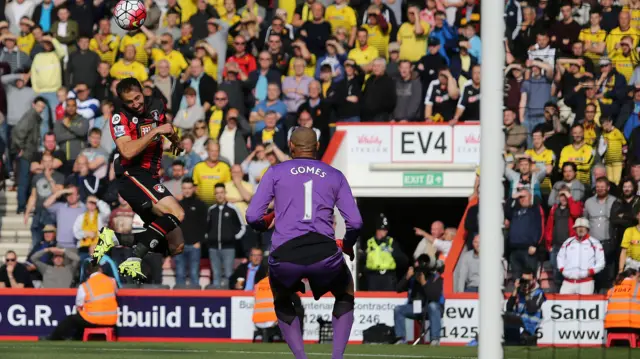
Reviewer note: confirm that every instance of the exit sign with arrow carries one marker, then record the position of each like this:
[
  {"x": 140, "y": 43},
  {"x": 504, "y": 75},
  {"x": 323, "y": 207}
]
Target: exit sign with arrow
[{"x": 422, "y": 179}]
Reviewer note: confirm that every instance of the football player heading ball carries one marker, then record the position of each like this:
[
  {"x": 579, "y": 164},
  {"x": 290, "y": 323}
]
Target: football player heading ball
[
  {"x": 138, "y": 130},
  {"x": 130, "y": 14}
]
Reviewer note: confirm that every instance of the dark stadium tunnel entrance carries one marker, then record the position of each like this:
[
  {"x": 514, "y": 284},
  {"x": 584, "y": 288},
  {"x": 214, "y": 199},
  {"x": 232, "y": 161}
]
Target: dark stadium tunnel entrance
[{"x": 404, "y": 214}]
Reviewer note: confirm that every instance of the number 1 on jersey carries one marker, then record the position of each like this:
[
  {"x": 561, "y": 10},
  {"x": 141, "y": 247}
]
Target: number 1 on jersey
[{"x": 308, "y": 202}]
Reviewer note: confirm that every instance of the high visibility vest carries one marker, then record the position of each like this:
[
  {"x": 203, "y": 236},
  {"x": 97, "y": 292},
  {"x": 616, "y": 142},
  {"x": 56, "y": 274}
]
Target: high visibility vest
[
  {"x": 623, "y": 305},
  {"x": 380, "y": 256},
  {"x": 263, "y": 308},
  {"x": 100, "y": 305}
]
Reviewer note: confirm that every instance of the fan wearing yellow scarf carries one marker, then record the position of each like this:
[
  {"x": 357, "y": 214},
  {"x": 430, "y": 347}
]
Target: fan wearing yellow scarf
[{"x": 86, "y": 227}]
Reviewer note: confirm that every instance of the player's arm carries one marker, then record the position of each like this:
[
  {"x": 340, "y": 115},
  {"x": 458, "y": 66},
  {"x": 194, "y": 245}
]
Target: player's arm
[
  {"x": 257, "y": 217},
  {"x": 128, "y": 147},
  {"x": 349, "y": 210},
  {"x": 176, "y": 147}
]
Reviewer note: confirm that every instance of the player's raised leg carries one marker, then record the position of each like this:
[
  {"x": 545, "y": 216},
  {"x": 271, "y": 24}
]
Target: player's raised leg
[
  {"x": 161, "y": 213},
  {"x": 342, "y": 316},
  {"x": 164, "y": 218},
  {"x": 288, "y": 314}
]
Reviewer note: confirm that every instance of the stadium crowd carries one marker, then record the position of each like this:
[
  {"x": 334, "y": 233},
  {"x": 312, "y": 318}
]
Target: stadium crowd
[{"x": 238, "y": 76}]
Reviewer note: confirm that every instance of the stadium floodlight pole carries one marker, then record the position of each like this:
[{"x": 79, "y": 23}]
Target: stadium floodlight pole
[{"x": 491, "y": 172}]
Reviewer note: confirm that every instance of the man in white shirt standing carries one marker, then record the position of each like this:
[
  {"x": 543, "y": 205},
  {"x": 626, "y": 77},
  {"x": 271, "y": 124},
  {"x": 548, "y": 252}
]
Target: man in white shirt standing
[
  {"x": 543, "y": 50},
  {"x": 579, "y": 259},
  {"x": 432, "y": 243}
]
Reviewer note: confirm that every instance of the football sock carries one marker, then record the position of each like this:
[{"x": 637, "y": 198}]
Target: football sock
[
  {"x": 290, "y": 324},
  {"x": 155, "y": 234},
  {"x": 342, "y": 323},
  {"x": 292, "y": 334},
  {"x": 121, "y": 240}
]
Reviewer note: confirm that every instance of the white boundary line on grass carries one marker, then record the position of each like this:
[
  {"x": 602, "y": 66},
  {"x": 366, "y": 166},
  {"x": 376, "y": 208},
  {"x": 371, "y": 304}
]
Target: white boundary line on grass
[
  {"x": 147, "y": 350},
  {"x": 349, "y": 355},
  {"x": 151, "y": 350}
]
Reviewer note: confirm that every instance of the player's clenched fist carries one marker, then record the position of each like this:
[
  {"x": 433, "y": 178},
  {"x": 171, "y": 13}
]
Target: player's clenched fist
[{"x": 166, "y": 129}]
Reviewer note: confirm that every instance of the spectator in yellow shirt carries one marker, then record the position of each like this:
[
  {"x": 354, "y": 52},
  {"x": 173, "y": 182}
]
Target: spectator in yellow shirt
[
  {"x": 207, "y": 53},
  {"x": 239, "y": 191},
  {"x": 341, "y": 15},
  {"x": 379, "y": 30},
  {"x": 26, "y": 40},
  {"x": 578, "y": 152},
  {"x": 624, "y": 59},
  {"x": 412, "y": 36},
  {"x": 104, "y": 43},
  {"x": 210, "y": 172},
  {"x": 187, "y": 9},
  {"x": 630, "y": 253},
  {"x": 614, "y": 156},
  {"x": 129, "y": 67},
  {"x": 614, "y": 37},
  {"x": 594, "y": 37},
  {"x": 300, "y": 51},
  {"x": 165, "y": 52},
  {"x": 138, "y": 39},
  {"x": 363, "y": 54}
]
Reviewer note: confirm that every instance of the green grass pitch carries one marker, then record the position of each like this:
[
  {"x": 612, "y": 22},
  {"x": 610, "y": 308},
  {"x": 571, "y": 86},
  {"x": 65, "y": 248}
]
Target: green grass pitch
[{"x": 102, "y": 350}]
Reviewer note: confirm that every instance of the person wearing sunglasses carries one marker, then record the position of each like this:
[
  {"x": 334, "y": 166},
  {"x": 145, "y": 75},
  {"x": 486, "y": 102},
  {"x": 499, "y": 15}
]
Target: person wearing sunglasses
[
  {"x": 245, "y": 61},
  {"x": 201, "y": 136},
  {"x": 14, "y": 274}
]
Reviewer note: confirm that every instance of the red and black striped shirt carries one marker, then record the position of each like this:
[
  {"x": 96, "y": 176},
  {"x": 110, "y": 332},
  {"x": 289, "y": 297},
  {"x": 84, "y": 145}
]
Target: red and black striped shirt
[{"x": 126, "y": 123}]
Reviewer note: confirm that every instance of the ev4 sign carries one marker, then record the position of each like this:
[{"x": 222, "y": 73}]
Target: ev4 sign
[{"x": 422, "y": 144}]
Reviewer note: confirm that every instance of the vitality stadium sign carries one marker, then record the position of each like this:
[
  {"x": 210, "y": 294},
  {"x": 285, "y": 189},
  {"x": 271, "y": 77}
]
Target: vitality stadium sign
[{"x": 412, "y": 143}]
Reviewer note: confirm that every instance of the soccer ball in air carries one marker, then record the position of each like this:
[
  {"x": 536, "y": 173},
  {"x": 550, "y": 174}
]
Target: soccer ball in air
[{"x": 130, "y": 14}]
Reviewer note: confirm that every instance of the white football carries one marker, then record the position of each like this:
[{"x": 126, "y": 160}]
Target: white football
[{"x": 130, "y": 14}]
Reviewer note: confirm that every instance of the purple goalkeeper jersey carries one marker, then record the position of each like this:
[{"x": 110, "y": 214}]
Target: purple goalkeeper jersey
[{"x": 306, "y": 192}]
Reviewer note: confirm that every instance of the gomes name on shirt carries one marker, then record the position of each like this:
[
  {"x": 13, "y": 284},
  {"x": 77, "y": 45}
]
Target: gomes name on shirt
[{"x": 308, "y": 170}]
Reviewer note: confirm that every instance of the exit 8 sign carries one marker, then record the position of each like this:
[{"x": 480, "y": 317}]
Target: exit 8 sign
[{"x": 422, "y": 179}]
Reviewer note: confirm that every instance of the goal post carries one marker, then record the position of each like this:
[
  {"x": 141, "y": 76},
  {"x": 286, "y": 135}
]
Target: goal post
[{"x": 491, "y": 171}]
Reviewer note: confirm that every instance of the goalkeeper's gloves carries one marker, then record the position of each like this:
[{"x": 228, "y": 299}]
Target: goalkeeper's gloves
[
  {"x": 265, "y": 223},
  {"x": 346, "y": 250},
  {"x": 268, "y": 218}
]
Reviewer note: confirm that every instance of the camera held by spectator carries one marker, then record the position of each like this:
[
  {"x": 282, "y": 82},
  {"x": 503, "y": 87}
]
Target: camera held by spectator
[
  {"x": 423, "y": 282},
  {"x": 524, "y": 311}
]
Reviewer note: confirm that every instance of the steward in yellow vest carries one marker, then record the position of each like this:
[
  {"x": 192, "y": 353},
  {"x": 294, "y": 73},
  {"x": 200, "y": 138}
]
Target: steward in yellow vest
[
  {"x": 264, "y": 313},
  {"x": 623, "y": 304},
  {"x": 96, "y": 306},
  {"x": 383, "y": 254}
]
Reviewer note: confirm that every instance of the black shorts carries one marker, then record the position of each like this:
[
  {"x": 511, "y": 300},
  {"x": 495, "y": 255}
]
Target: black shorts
[
  {"x": 141, "y": 190},
  {"x": 311, "y": 256}
]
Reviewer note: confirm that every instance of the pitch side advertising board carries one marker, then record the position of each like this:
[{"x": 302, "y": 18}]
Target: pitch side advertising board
[
  {"x": 564, "y": 322},
  {"x": 149, "y": 316},
  {"x": 163, "y": 315}
]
